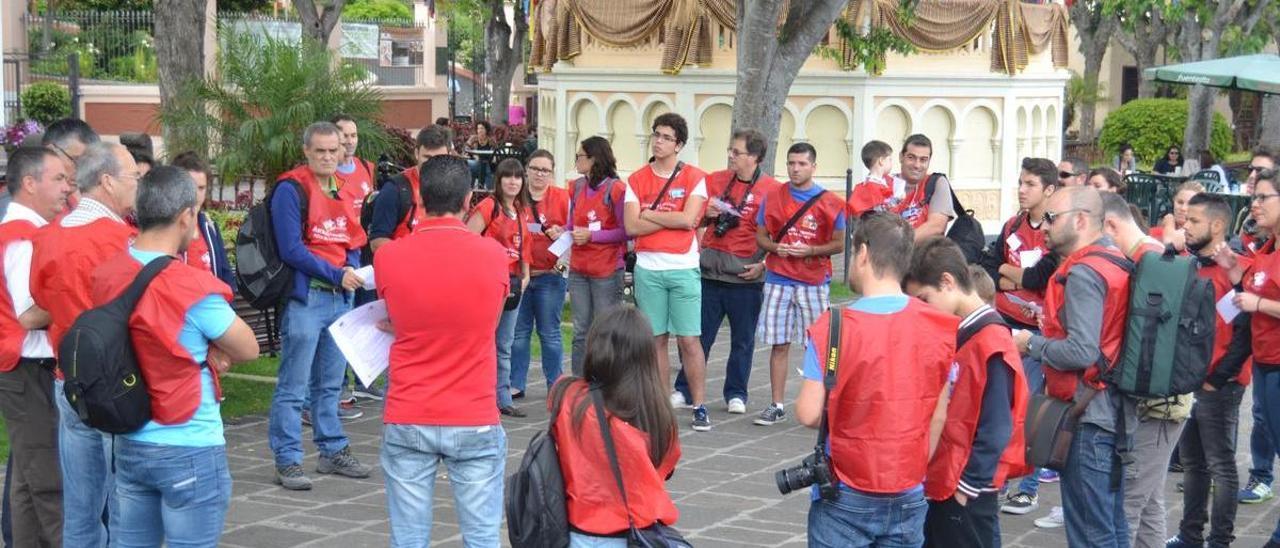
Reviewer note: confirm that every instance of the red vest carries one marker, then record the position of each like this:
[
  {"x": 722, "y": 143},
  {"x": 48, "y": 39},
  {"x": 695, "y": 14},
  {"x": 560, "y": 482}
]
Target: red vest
[
  {"x": 869, "y": 195},
  {"x": 62, "y": 267},
  {"x": 171, "y": 374},
  {"x": 355, "y": 186},
  {"x": 815, "y": 228},
  {"x": 965, "y": 408},
  {"x": 511, "y": 233},
  {"x": 12, "y": 334},
  {"x": 1222, "y": 335},
  {"x": 1263, "y": 279},
  {"x": 405, "y": 227},
  {"x": 1028, "y": 238},
  {"x": 553, "y": 210},
  {"x": 1115, "y": 309},
  {"x": 892, "y": 370},
  {"x": 646, "y": 185},
  {"x": 197, "y": 254},
  {"x": 740, "y": 241},
  {"x": 914, "y": 208},
  {"x": 595, "y": 260},
  {"x": 332, "y": 227},
  {"x": 1251, "y": 244}
]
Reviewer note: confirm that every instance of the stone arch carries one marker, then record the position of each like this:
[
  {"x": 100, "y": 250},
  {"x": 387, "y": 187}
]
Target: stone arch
[
  {"x": 979, "y": 150},
  {"x": 715, "y": 117},
  {"x": 1037, "y": 131},
  {"x": 624, "y": 132},
  {"x": 893, "y": 124},
  {"x": 788, "y": 134},
  {"x": 827, "y": 127},
  {"x": 586, "y": 118},
  {"x": 938, "y": 123}
]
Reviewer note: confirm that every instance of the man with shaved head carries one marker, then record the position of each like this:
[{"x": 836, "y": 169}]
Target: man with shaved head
[{"x": 1084, "y": 312}]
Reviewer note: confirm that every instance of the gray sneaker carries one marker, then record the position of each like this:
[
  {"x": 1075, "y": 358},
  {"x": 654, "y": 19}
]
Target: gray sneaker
[
  {"x": 342, "y": 463},
  {"x": 291, "y": 477},
  {"x": 771, "y": 415}
]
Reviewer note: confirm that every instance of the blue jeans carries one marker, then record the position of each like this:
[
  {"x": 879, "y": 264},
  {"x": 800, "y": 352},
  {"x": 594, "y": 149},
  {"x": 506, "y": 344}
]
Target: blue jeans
[
  {"x": 741, "y": 302},
  {"x": 170, "y": 494},
  {"x": 1266, "y": 384},
  {"x": 858, "y": 519},
  {"x": 580, "y": 540},
  {"x": 87, "y": 480},
  {"x": 1094, "y": 511},
  {"x": 542, "y": 304},
  {"x": 1034, "y": 372},
  {"x": 505, "y": 336},
  {"x": 475, "y": 457},
  {"x": 310, "y": 362},
  {"x": 1264, "y": 453}
]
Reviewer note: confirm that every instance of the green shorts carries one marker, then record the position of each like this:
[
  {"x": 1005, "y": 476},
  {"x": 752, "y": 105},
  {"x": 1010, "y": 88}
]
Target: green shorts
[{"x": 672, "y": 299}]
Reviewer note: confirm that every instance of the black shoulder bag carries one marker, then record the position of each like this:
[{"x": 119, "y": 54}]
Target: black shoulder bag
[{"x": 657, "y": 535}]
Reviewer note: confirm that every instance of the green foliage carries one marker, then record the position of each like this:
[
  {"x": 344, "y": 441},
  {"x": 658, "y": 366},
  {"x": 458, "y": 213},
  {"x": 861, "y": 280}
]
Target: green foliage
[
  {"x": 377, "y": 10},
  {"x": 250, "y": 116},
  {"x": 46, "y": 102},
  {"x": 1081, "y": 92},
  {"x": 1151, "y": 126},
  {"x": 869, "y": 49},
  {"x": 466, "y": 21}
]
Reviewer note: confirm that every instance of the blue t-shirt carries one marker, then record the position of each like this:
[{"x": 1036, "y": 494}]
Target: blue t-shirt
[
  {"x": 347, "y": 168},
  {"x": 206, "y": 320},
  {"x": 799, "y": 196}
]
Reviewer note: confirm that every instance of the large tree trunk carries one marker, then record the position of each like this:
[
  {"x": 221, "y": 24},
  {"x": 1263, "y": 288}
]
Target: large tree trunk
[
  {"x": 1089, "y": 112},
  {"x": 1270, "y": 133},
  {"x": 503, "y": 53},
  {"x": 1201, "y": 39},
  {"x": 319, "y": 21},
  {"x": 768, "y": 64},
  {"x": 179, "y": 44},
  {"x": 1094, "y": 30}
]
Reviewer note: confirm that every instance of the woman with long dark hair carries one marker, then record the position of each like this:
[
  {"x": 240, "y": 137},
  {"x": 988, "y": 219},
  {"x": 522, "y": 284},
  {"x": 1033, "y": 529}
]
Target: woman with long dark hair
[
  {"x": 505, "y": 218},
  {"x": 543, "y": 303},
  {"x": 599, "y": 239},
  {"x": 622, "y": 362}
]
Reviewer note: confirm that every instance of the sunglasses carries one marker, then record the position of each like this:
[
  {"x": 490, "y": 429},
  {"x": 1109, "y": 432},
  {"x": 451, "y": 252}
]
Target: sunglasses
[
  {"x": 1066, "y": 174},
  {"x": 1051, "y": 216}
]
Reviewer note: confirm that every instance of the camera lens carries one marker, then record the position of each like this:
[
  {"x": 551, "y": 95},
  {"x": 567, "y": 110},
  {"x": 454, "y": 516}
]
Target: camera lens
[{"x": 790, "y": 479}]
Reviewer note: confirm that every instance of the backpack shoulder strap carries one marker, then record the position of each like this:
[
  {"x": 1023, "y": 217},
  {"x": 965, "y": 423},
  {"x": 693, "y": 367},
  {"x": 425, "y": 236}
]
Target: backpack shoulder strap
[
  {"x": 597, "y": 400},
  {"x": 132, "y": 294},
  {"x": 799, "y": 213},
  {"x": 1121, "y": 262},
  {"x": 931, "y": 185},
  {"x": 990, "y": 317},
  {"x": 406, "y": 206}
]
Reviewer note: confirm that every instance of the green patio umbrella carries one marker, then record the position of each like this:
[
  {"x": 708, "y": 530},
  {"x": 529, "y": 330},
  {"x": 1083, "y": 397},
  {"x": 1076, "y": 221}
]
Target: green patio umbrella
[{"x": 1259, "y": 73}]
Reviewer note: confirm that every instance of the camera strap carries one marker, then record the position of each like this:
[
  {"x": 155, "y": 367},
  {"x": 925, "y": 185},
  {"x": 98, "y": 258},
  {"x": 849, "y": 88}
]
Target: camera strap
[
  {"x": 658, "y": 199},
  {"x": 796, "y": 216},
  {"x": 829, "y": 376},
  {"x": 724, "y": 197},
  {"x": 597, "y": 400}
]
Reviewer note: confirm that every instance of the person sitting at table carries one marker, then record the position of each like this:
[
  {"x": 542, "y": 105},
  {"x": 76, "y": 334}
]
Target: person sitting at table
[
  {"x": 482, "y": 140},
  {"x": 1171, "y": 163}
]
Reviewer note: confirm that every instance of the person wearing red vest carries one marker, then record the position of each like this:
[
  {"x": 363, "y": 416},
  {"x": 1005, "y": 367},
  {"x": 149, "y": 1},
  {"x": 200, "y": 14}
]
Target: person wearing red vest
[
  {"x": 543, "y": 301},
  {"x": 886, "y": 411},
  {"x": 982, "y": 443},
  {"x": 64, "y": 256},
  {"x": 1208, "y": 442},
  {"x": 38, "y": 184},
  {"x": 392, "y": 217},
  {"x": 1075, "y": 341},
  {"x": 184, "y": 313},
  {"x": 324, "y": 250},
  {"x": 599, "y": 240},
  {"x": 356, "y": 176},
  {"x": 732, "y": 263},
  {"x": 800, "y": 226},
  {"x": 1258, "y": 294},
  {"x": 1020, "y": 263},
  {"x": 928, "y": 214},
  {"x": 873, "y": 193},
  {"x": 664, "y": 203},
  {"x": 620, "y": 360}
]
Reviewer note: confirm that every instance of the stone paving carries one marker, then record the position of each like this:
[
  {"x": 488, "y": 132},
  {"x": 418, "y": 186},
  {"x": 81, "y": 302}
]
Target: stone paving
[{"x": 723, "y": 486}]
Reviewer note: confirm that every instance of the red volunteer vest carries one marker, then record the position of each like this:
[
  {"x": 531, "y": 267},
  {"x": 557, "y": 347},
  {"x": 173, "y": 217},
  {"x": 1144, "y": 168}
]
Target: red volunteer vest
[
  {"x": 892, "y": 369},
  {"x": 197, "y": 254},
  {"x": 404, "y": 228},
  {"x": 914, "y": 208},
  {"x": 1028, "y": 238},
  {"x": 506, "y": 231},
  {"x": 354, "y": 187},
  {"x": 646, "y": 185},
  {"x": 870, "y": 195},
  {"x": 1115, "y": 309},
  {"x": 171, "y": 374},
  {"x": 595, "y": 260},
  {"x": 62, "y": 268},
  {"x": 553, "y": 210},
  {"x": 332, "y": 227},
  {"x": 590, "y": 490},
  {"x": 1263, "y": 279},
  {"x": 965, "y": 408},
  {"x": 12, "y": 334},
  {"x": 815, "y": 228},
  {"x": 1251, "y": 244},
  {"x": 1222, "y": 335},
  {"x": 740, "y": 241}
]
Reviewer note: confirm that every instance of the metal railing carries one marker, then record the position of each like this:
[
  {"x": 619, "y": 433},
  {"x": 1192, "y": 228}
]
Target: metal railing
[{"x": 113, "y": 46}]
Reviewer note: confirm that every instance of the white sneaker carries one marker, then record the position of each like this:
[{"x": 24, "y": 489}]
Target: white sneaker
[
  {"x": 677, "y": 401},
  {"x": 737, "y": 406},
  {"x": 1051, "y": 521}
]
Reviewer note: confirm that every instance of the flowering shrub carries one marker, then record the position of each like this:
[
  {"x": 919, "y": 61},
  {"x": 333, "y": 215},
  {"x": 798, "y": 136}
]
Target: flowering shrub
[{"x": 15, "y": 134}]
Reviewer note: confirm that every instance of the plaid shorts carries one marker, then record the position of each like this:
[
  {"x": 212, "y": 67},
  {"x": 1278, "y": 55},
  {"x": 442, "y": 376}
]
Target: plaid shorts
[{"x": 789, "y": 310}]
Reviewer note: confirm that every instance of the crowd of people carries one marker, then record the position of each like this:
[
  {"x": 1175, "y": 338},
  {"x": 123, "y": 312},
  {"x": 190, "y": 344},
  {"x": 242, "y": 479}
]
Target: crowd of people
[{"x": 920, "y": 388}]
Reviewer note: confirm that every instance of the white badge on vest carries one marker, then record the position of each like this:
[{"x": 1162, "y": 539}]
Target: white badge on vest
[
  {"x": 1014, "y": 243},
  {"x": 593, "y": 226},
  {"x": 1030, "y": 257}
]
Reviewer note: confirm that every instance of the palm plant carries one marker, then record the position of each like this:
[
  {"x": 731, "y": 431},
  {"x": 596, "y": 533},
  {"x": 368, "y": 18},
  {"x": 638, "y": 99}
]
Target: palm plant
[
  {"x": 1081, "y": 93},
  {"x": 250, "y": 115}
]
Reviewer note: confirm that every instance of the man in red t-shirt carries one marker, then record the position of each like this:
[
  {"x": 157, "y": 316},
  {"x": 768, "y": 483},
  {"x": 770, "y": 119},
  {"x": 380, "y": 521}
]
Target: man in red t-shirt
[{"x": 441, "y": 405}]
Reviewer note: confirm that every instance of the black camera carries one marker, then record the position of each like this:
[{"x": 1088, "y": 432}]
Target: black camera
[
  {"x": 814, "y": 470},
  {"x": 387, "y": 170},
  {"x": 724, "y": 223}
]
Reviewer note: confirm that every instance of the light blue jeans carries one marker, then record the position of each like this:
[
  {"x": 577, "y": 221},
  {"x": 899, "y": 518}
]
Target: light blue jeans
[
  {"x": 87, "y": 481},
  {"x": 579, "y": 540},
  {"x": 541, "y": 304},
  {"x": 506, "y": 336},
  {"x": 475, "y": 457},
  {"x": 170, "y": 494},
  {"x": 309, "y": 361}
]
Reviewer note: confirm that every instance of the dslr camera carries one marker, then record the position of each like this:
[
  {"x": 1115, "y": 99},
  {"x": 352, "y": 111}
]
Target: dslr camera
[
  {"x": 726, "y": 222},
  {"x": 815, "y": 469}
]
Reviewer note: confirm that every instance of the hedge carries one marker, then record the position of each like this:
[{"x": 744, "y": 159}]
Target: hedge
[{"x": 1151, "y": 126}]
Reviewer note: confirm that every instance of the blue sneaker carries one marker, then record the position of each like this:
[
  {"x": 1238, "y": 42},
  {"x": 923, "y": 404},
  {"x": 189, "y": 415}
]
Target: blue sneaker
[
  {"x": 701, "y": 419},
  {"x": 1255, "y": 492},
  {"x": 1047, "y": 476}
]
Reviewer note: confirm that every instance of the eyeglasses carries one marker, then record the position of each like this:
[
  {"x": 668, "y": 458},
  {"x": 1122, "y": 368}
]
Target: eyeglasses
[
  {"x": 663, "y": 137},
  {"x": 581, "y": 155},
  {"x": 540, "y": 171},
  {"x": 1066, "y": 174},
  {"x": 60, "y": 150},
  {"x": 1253, "y": 168},
  {"x": 734, "y": 153},
  {"x": 1257, "y": 198},
  {"x": 1051, "y": 216}
]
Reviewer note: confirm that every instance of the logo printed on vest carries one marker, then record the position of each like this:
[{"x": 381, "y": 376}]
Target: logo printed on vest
[
  {"x": 1258, "y": 279},
  {"x": 331, "y": 230},
  {"x": 591, "y": 215},
  {"x": 810, "y": 223}
]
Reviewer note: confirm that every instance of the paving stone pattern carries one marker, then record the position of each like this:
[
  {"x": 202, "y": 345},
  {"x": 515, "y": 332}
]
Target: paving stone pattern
[{"x": 724, "y": 485}]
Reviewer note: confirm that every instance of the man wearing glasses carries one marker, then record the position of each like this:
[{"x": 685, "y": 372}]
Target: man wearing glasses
[
  {"x": 1072, "y": 172},
  {"x": 1097, "y": 290}
]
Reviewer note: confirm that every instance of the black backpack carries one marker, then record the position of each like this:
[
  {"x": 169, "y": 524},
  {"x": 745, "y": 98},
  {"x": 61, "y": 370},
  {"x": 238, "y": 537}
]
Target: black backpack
[
  {"x": 535, "y": 495},
  {"x": 264, "y": 280},
  {"x": 965, "y": 230},
  {"x": 404, "y": 212},
  {"x": 103, "y": 381}
]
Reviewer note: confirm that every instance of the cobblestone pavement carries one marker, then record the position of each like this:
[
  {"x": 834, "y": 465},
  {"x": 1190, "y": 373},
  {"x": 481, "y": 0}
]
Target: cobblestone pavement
[{"x": 723, "y": 486}]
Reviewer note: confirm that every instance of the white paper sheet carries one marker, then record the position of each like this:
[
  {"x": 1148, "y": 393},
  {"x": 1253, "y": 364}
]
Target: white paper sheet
[
  {"x": 1227, "y": 308},
  {"x": 562, "y": 244},
  {"x": 367, "y": 348},
  {"x": 1030, "y": 257},
  {"x": 366, "y": 273}
]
